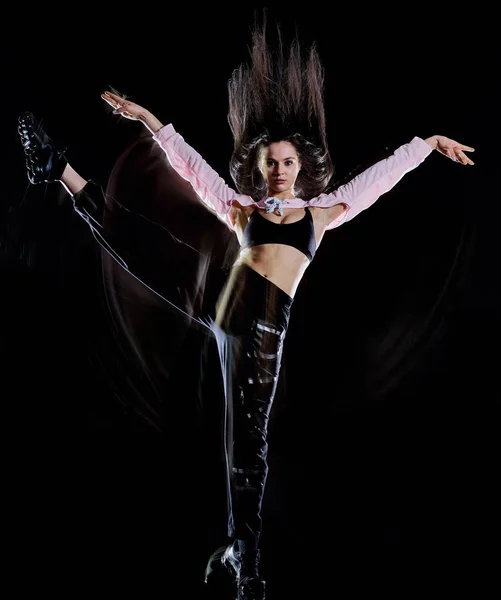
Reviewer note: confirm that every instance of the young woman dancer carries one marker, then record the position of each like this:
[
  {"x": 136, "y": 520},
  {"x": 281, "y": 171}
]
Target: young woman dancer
[{"x": 283, "y": 205}]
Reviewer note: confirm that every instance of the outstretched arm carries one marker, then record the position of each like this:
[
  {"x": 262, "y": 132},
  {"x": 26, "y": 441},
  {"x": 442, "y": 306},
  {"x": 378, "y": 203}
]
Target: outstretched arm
[
  {"x": 364, "y": 189},
  {"x": 209, "y": 186}
]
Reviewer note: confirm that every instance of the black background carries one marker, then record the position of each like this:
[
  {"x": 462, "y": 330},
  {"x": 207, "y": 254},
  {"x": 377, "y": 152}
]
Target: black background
[{"x": 383, "y": 445}]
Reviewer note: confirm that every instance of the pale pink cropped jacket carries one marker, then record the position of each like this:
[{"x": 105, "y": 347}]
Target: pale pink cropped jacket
[{"x": 356, "y": 195}]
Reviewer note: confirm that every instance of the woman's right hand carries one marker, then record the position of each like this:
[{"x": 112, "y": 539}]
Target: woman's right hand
[{"x": 131, "y": 110}]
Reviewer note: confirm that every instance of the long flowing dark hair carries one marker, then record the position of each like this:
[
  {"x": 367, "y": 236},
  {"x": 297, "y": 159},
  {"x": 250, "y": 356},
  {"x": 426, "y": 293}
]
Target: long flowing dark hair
[{"x": 279, "y": 97}]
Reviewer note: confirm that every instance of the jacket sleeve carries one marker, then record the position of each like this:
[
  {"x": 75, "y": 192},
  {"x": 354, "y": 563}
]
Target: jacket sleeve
[
  {"x": 364, "y": 189},
  {"x": 209, "y": 186}
]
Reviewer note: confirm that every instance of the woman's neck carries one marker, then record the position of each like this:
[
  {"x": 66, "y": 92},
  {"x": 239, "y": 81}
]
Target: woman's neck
[{"x": 282, "y": 196}]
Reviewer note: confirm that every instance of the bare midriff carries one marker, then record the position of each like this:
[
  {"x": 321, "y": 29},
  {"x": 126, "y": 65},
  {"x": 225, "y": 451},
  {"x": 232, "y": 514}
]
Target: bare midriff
[{"x": 283, "y": 265}]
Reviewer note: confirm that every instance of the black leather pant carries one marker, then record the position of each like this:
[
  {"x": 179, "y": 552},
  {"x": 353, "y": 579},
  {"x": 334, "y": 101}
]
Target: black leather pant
[{"x": 252, "y": 321}]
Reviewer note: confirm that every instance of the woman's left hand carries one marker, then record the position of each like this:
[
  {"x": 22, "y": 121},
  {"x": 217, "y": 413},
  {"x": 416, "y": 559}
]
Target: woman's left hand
[{"x": 450, "y": 148}]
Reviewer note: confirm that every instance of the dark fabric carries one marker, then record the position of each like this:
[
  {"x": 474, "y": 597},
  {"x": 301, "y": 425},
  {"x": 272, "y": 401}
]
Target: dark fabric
[
  {"x": 146, "y": 249},
  {"x": 300, "y": 234},
  {"x": 252, "y": 321}
]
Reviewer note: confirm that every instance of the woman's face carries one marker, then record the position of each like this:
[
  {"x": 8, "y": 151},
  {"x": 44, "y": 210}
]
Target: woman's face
[{"x": 280, "y": 167}]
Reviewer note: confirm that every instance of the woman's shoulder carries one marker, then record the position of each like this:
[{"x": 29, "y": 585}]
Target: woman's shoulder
[
  {"x": 247, "y": 207},
  {"x": 324, "y": 215}
]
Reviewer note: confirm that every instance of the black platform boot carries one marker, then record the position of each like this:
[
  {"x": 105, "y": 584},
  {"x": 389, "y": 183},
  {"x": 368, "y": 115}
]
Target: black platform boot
[
  {"x": 244, "y": 566},
  {"x": 45, "y": 162}
]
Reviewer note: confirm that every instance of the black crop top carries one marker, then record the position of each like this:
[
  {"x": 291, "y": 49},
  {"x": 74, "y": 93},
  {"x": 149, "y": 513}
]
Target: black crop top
[{"x": 300, "y": 234}]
